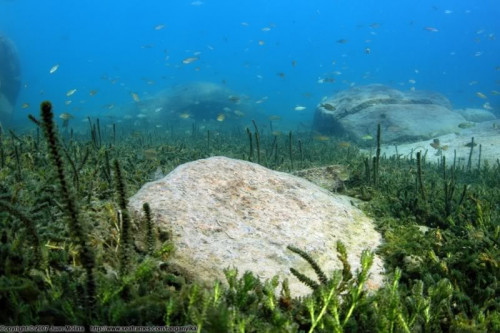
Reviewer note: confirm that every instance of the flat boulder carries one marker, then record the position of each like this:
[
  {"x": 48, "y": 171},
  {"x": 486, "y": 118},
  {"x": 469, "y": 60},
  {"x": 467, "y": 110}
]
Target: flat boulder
[
  {"x": 403, "y": 116},
  {"x": 224, "y": 212}
]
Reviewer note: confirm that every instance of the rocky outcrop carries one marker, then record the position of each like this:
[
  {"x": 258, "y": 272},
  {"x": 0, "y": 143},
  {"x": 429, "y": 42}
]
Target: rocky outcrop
[
  {"x": 198, "y": 100},
  {"x": 10, "y": 78},
  {"x": 224, "y": 212},
  {"x": 476, "y": 115},
  {"x": 403, "y": 116}
]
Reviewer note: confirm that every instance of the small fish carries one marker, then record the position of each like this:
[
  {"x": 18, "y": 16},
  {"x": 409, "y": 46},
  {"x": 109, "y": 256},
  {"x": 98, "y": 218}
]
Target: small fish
[
  {"x": 367, "y": 137},
  {"x": 294, "y": 63},
  {"x": 447, "y": 11},
  {"x": 159, "y": 26},
  {"x": 53, "y": 69},
  {"x": 266, "y": 29},
  {"x": 435, "y": 144},
  {"x": 342, "y": 41},
  {"x": 343, "y": 144},
  {"x": 66, "y": 116},
  {"x": 189, "y": 60},
  {"x": 239, "y": 113},
  {"x": 135, "y": 96},
  {"x": 481, "y": 95},
  {"x": 93, "y": 92},
  {"x": 276, "y": 133},
  {"x": 158, "y": 109},
  {"x": 70, "y": 92},
  {"x": 321, "y": 138},
  {"x": 261, "y": 42},
  {"x": 328, "y": 106},
  {"x": 234, "y": 99},
  {"x": 68, "y": 102},
  {"x": 471, "y": 83},
  {"x": 431, "y": 29},
  {"x": 368, "y": 50},
  {"x": 470, "y": 144},
  {"x": 221, "y": 117},
  {"x": 25, "y": 106},
  {"x": 150, "y": 154},
  {"x": 184, "y": 115},
  {"x": 487, "y": 106},
  {"x": 412, "y": 81},
  {"x": 466, "y": 125},
  {"x": 445, "y": 147},
  {"x": 495, "y": 93},
  {"x": 274, "y": 117},
  {"x": 300, "y": 108}
]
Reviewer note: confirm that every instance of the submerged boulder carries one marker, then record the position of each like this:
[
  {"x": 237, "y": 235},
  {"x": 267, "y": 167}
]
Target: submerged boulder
[
  {"x": 198, "y": 100},
  {"x": 476, "y": 115},
  {"x": 10, "y": 78},
  {"x": 403, "y": 116},
  {"x": 224, "y": 212}
]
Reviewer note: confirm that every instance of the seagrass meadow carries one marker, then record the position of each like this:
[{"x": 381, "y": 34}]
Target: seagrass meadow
[{"x": 71, "y": 253}]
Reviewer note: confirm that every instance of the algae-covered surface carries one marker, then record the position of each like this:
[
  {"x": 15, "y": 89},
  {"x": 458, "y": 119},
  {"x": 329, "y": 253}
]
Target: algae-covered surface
[{"x": 71, "y": 254}]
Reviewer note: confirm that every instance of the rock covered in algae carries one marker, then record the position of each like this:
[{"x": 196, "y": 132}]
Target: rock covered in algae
[
  {"x": 224, "y": 212},
  {"x": 403, "y": 116},
  {"x": 330, "y": 177}
]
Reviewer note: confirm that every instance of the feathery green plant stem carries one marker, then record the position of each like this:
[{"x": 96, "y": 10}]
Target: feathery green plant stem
[
  {"x": 150, "y": 240},
  {"x": 76, "y": 229},
  {"x": 125, "y": 228}
]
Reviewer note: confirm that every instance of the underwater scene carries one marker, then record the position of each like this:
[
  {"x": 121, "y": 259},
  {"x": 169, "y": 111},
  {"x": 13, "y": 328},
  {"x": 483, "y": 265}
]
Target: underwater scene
[{"x": 249, "y": 166}]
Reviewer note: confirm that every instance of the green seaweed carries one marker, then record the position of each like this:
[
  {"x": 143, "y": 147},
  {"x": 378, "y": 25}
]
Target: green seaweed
[{"x": 441, "y": 249}]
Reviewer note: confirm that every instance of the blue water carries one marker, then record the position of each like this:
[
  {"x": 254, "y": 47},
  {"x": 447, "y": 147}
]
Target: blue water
[{"x": 116, "y": 47}]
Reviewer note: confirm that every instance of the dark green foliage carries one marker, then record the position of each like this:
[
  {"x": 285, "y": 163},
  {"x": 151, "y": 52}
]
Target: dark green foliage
[
  {"x": 76, "y": 227},
  {"x": 125, "y": 236},
  {"x": 150, "y": 238},
  {"x": 441, "y": 250},
  {"x": 250, "y": 153},
  {"x": 30, "y": 227},
  {"x": 321, "y": 275}
]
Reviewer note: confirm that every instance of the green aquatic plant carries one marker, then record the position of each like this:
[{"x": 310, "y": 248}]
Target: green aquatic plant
[
  {"x": 76, "y": 227},
  {"x": 125, "y": 235},
  {"x": 324, "y": 306},
  {"x": 250, "y": 152},
  {"x": 441, "y": 255},
  {"x": 376, "y": 160},
  {"x": 30, "y": 227},
  {"x": 150, "y": 239}
]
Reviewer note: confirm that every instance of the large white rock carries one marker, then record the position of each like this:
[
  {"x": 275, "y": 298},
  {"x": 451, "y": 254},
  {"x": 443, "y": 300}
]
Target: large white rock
[
  {"x": 225, "y": 212},
  {"x": 403, "y": 115}
]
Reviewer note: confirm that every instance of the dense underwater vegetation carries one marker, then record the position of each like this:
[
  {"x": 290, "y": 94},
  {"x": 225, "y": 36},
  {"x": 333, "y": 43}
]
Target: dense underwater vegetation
[{"x": 71, "y": 253}]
